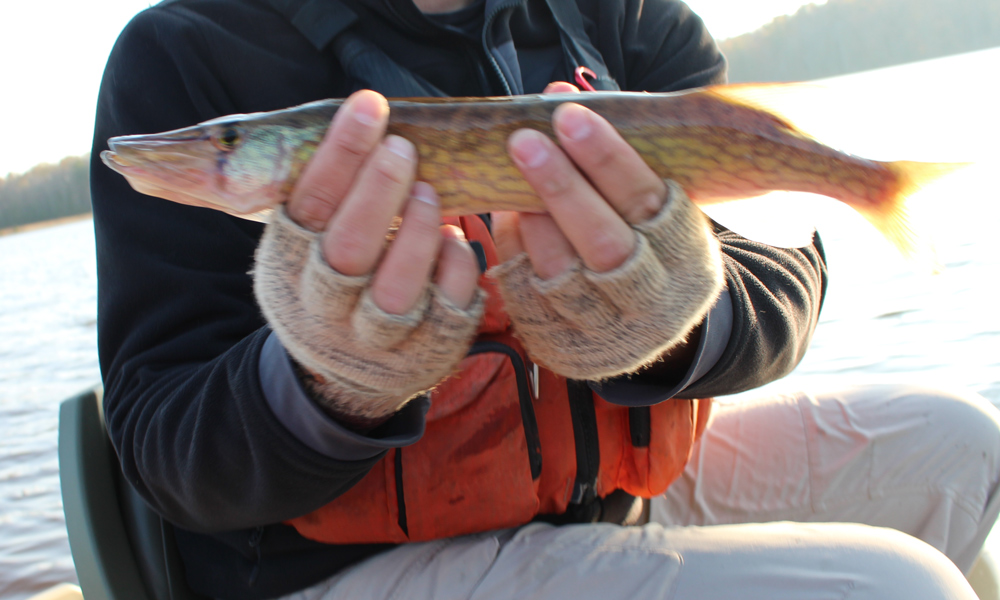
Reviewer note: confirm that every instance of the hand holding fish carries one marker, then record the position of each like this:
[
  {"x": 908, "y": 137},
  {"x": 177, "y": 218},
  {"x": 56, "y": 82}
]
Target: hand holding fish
[
  {"x": 621, "y": 268},
  {"x": 585, "y": 221},
  {"x": 353, "y": 188},
  {"x": 372, "y": 325}
]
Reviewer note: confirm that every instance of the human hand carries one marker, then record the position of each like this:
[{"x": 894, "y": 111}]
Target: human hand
[
  {"x": 621, "y": 268},
  {"x": 373, "y": 323}
]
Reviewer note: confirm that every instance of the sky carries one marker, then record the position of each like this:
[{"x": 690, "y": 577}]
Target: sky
[{"x": 52, "y": 54}]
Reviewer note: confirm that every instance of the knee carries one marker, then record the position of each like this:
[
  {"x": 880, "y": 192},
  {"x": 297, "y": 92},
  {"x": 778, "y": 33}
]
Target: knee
[
  {"x": 951, "y": 442},
  {"x": 858, "y": 562},
  {"x": 963, "y": 422},
  {"x": 895, "y": 565}
]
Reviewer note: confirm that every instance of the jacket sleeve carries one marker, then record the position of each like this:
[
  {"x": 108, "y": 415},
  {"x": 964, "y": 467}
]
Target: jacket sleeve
[
  {"x": 180, "y": 334},
  {"x": 777, "y": 294},
  {"x": 774, "y": 294}
]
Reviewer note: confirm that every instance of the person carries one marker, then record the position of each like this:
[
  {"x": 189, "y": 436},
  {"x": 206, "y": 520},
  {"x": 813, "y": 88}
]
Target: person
[{"x": 344, "y": 404}]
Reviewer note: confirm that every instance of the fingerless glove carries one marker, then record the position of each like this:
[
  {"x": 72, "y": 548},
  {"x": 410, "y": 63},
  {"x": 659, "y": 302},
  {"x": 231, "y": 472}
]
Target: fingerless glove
[
  {"x": 364, "y": 362},
  {"x": 591, "y": 326}
]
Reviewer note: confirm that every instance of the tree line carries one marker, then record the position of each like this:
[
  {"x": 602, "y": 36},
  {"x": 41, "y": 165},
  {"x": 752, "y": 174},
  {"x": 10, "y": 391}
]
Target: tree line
[
  {"x": 847, "y": 36},
  {"x": 46, "y": 192}
]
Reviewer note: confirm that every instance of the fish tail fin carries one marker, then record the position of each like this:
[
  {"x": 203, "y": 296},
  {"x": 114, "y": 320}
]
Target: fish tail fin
[
  {"x": 913, "y": 176},
  {"x": 893, "y": 218}
]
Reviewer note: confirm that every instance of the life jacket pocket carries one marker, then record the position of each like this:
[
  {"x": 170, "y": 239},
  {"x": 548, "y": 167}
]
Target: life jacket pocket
[
  {"x": 476, "y": 468},
  {"x": 662, "y": 437}
]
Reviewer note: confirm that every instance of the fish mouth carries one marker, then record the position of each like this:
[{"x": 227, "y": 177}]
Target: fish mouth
[
  {"x": 180, "y": 178},
  {"x": 146, "y": 178},
  {"x": 183, "y": 166},
  {"x": 163, "y": 152},
  {"x": 179, "y": 166},
  {"x": 146, "y": 182}
]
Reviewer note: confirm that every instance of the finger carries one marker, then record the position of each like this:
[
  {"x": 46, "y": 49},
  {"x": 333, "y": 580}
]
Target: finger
[
  {"x": 538, "y": 235},
  {"x": 551, "y": 253},
  {"x": 612, "y": 165},
  {"x": 506, "y": 234},
  {"x": 458, "y": 269},
  {"x": 594, "y": 229},
  {"x": 355, "y": 239},
  {"x": 355, "y": 132},
  {"x": 403, "y": 274},
  {"x": 560, "y": 87}
]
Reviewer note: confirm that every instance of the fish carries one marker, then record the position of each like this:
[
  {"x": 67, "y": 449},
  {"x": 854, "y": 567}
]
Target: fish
[{"x": 714, "y": 142}]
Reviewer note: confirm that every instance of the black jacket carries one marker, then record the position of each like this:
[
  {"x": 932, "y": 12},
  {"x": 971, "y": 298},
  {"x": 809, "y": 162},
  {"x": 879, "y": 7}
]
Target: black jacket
[{"x": 180, "y": 334}]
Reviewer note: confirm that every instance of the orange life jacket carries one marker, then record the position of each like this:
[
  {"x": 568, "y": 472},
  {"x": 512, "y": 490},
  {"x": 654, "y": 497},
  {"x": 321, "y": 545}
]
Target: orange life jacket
[{"x": 505, "y": 443}]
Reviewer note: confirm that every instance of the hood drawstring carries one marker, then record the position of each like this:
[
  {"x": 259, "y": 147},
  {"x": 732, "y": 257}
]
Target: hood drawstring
[{"x": 581, "y": 74}]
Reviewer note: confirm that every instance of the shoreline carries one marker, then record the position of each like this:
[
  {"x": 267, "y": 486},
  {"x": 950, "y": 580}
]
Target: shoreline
[{"x": 43, "y": 224}]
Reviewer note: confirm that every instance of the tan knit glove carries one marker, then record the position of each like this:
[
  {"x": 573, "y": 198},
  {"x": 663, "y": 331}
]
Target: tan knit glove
[
  {"x": 587, "y": 325},
  {"x": 365, "y": 362}
]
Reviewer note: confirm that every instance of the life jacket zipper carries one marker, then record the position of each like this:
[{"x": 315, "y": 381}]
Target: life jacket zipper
[
  {"x": 400, "y": 496},
  {"x": 588, "y": 451},
  {"x": 639, "y": 425}
]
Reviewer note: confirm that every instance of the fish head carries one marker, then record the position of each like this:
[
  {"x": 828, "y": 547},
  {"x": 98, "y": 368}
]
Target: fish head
[{"x": 240, "y": 164}]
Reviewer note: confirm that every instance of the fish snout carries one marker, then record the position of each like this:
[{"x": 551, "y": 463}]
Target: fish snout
[{"x": 113, "y": 161}]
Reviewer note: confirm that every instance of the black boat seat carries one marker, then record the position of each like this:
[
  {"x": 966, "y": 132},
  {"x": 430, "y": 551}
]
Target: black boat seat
[{"x": 121, "y": 548}]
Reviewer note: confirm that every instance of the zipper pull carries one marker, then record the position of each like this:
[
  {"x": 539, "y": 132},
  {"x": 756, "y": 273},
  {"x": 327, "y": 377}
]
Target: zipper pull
[
  {"x": 582, "y": 492},
  {"x": 584, "y": 505},
  {"x": 533, "y": 381}
]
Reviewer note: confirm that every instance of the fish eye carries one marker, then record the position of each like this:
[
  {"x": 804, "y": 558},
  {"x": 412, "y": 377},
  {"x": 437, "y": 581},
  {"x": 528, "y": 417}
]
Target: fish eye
[{"x": 227, "y": 138}]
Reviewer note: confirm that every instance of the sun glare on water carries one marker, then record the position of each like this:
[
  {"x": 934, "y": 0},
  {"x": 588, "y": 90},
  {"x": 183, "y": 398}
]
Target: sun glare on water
[{"x": 891, "y": 114}]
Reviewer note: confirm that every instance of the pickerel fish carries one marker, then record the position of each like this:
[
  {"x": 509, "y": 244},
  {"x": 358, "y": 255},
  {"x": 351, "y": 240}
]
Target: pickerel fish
[{"x": 716, "y": 145}]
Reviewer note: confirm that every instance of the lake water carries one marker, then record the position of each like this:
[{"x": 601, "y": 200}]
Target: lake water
[
  {"x": 884, "y": 320},
  {"x": 48, "y": 351}
]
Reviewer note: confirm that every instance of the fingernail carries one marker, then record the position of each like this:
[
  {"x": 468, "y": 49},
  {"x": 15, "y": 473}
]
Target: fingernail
[
  {"x": 453, "y": 232},
  {"x": 560, "y": 87},
  {"x": 365, "y": 119},
  {"x": 529, "y": 149},
  {"x": 574, "y": 122},
  {"x": 400, "y": 147},
  {"x": 425, "y": 193}
]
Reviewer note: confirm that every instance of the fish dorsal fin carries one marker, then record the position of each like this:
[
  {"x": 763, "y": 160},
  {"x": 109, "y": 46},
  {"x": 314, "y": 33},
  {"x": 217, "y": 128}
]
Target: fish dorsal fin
[{"x": 766, "y": 97}]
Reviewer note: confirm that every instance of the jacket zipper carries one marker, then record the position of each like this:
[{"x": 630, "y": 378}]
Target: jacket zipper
[
  {"x": 530, "y": 423},
  {"x": 486, "y": 32},
  {"x": 254, "y": 541},
  {"x": 588, "y": 451}
]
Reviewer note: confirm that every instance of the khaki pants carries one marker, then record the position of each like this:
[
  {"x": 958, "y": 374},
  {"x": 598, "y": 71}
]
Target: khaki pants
[{"x": 863, "y": 493}]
